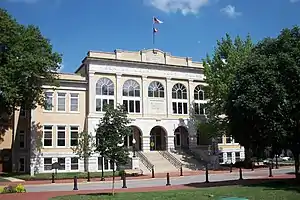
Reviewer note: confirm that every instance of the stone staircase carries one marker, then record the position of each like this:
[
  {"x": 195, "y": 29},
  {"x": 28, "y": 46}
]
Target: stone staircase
[
  {"x": 188, "y": 161},
  {"x": 161, "y": 165}
]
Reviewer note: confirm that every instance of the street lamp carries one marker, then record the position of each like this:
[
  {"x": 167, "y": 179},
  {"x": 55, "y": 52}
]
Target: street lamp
[{"x": 133, "y": 146}]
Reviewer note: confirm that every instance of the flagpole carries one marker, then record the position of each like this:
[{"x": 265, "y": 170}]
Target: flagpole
[{"x": 153, "y": 32}]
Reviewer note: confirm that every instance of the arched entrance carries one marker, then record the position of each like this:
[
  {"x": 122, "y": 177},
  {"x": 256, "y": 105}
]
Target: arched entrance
[
  {"x": 181, "y": 137},
  {"x": 158, "y": 139},
  {"x": 137, "y": 135}
]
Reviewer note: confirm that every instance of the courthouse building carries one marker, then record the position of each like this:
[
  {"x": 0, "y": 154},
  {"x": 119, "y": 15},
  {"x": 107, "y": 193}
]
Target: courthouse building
[{"x": 163, "y": 95}]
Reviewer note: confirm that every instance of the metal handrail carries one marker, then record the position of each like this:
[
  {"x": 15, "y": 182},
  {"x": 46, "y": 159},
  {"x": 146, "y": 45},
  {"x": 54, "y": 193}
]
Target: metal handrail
[
  {"x": 145, "y": 160},
  {"x": 174, "y": 161}
]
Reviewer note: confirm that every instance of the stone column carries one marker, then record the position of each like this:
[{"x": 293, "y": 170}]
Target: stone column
[
  {"x": 169, "y": 96},
  {"x": 144, "y": 96},
  {"x": 170, "y": 142},
  {"x": 118, "y": 89},
  {"x": 92, "y": 92}
]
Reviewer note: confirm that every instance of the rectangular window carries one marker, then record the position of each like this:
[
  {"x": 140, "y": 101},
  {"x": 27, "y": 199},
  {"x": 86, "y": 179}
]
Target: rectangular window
[
  {"x": 22, "y": 139},
  {"x": 185, "y": 109},
  {"x": 74, "y": 164},
  {"x": 48, "y": 136},
  {"x": 47, "y": 164},
  {"x": 74, "y": 131},
  {"x": 61, "y": 136},
  {"x": 132, "y": 106},
  {"x": 229, "y": 157},
  {"x": 74, "y": 102},
  {"x": 237, "y": 156},
  {"x": 61, "y": 101},
  {"x": 49, "y": 101},
  {"x": 174, "y": 107},
  {"x": 180, "y": 108},
  {"x": 22, "y": 164},
  {"x": 62, "y": 163},
  {"x": 106, "y": 167},
  {"x": 199, "y": 108},
  {"x": 100, "y": 104},
  {"x": 100, "y": 163}
]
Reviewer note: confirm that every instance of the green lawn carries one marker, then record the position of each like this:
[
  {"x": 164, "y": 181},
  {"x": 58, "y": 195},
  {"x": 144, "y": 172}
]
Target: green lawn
[
  {"x": 48, "y": 176},
  {"x": 258, "y": 192},
  {"x": 3, "y": 180}
]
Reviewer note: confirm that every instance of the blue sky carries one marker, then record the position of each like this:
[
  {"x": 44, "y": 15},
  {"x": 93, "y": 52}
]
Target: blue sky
[{"x": 190, "y": 28}]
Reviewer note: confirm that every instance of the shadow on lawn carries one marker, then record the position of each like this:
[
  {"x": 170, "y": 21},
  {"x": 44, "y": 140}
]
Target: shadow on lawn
[
  {"x": 99, "y": 194},
  {"x": 288, "y": 184}
]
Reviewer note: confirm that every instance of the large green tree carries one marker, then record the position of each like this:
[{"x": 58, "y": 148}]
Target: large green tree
[
  {"x": 219, "y": 71},
  {"x": 112, "y": 129},
  {"x": 27, "y": 62},
  {"x": 264, "y": 105}
]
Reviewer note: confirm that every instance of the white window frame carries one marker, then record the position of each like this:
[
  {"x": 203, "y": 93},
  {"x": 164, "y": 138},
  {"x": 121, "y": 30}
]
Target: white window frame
[
  {"x": 57, "y": 138},
  {"x": 52, "y": 130},
  {"x": 136, "y": 87},
  {"x": 199, "y": 101},
  {"x": 72, "y": 164},
  {"x": 70, "y": 95},
  {"x": 52, "y": 100},
  {"x": 181, "y": 100},
  {"x": 156, "y": 85},
  {"x": 62, "y": 170},
  {"x": 22, "y": 133},
  {"x": 47, "y": 164},
  {"x": 22, "y": 157},
  {"x": 57, "y": 102},
  {"x": 70, "y": 133},
  {"x": 109, "y": 167},
  {"x": 109, "y": 83}
]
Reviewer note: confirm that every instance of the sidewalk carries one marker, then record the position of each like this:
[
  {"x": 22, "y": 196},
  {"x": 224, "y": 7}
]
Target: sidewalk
[
  {"x": 148, "y": 176},
  {"x": 47, "y": 195}
]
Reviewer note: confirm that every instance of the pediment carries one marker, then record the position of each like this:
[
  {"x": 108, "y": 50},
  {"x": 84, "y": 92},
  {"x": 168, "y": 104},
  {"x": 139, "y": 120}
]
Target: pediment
[{"x": 153, "y": 56}]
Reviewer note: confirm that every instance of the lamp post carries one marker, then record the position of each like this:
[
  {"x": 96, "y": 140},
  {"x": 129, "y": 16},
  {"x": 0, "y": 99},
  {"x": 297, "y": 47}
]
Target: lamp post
[{"x": 133, "y": 146}]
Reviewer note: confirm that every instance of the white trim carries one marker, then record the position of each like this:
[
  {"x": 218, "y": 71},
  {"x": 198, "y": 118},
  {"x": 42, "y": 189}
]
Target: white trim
[
  {"x": 134, "y": 99},
  {"x": 57, "y": 105},
  {"x": 65, "y": 88},
  {"x": 57, "y": 139},
  {"x": 103, "y": 97},
  {"x": 180, "y": 101},
  {"x": 52, "y": 130},
  {"x": 22, "y": 157},
  {"x": 70, "y": 102},
  {"x": 74, "y": 170}
]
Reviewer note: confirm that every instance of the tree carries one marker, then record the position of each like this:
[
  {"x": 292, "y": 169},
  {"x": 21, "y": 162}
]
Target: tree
[
  {"x": 84, "y": 148},
  {"x": 263, "y": 106},
  {"x": 27, "y": 63},
  {"x": 112, "y": 129},
  {"x": 220, "y": 72}
]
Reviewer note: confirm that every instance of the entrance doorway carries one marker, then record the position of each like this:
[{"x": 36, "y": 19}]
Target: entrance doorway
[
  {"x": 181, "y": 137},
  {"x": 158, "y": 139},
  {"x": 137, "y": 135}
]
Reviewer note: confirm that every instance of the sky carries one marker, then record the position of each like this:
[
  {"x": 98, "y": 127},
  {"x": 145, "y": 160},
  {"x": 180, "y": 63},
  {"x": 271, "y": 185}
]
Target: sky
[{"x": 190, "y": 28}]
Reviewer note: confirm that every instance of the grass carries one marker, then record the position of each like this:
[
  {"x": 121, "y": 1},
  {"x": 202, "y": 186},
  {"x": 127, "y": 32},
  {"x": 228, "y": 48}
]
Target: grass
[
  {"x": 3, "y": 180},
  {"x": 58, "y": 176},
  {"x": 269, "y": 191}
]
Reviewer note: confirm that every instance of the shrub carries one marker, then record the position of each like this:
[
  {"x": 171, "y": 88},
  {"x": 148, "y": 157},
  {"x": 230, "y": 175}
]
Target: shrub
[{"x": 13, "y": 189}]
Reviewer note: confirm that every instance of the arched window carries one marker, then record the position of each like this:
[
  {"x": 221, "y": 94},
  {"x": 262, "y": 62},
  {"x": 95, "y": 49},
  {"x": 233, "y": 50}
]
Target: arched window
[
  {"x": 199, "y": 100},
  {"x": 131, "y": 96},
  {"x": 156, "y": 89},
  {"x": 104, "y": 93},
  {"x": 179, "y": 99}
]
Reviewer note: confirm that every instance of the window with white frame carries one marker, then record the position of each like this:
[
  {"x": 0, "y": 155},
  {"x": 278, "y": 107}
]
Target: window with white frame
[
  {"x": 132, "y": 96},
  {"x": 107, "y": 164},
  {"x": 61, "y": 136},
  {"x": 62, "y": 163},
  {"x": 74, "y": 163},
  {"x": 22, "y": 139},
  {"x": 104, "y": 93},
  {"x": 229, "y": 157},
  {"x": 49, "y": 101},
  {"x": 74, "y": 102},
  {"x": 61, "y": 101},
  {"x": 179, "y": 99},
  {"x": 47, "y": 132},
  {"x": 47, "y": 164},
  {"x": 156, "y": 89},
  {"x": 74, "y": 132},
  {"x": 199, "y": 100}
]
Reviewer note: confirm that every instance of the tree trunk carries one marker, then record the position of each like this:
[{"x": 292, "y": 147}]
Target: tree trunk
[
  {"x": 296, "y": 156},
  {"x": 86, "y": 164},
  {"x": 248, "y": 158},
  {"x": 113, "y": 182}
]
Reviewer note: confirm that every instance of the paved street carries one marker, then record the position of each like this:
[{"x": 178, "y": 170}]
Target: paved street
[{"x": 247, "y": 174}]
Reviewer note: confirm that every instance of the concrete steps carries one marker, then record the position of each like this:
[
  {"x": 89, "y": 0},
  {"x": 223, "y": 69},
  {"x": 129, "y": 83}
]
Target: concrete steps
[
  {"x": 189, "y": 163},
  {"x": 161, "y": 165}
]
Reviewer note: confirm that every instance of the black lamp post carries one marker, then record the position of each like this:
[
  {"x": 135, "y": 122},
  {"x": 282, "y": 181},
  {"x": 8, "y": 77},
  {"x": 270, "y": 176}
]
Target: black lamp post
[{"x": 133, "y": 146}]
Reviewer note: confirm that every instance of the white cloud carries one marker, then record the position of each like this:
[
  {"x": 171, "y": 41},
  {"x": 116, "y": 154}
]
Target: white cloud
[
  {"x": 230, "y": 11},
  {"x": 183, "y": 6},
  {"x": 294, "y": 1}
]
